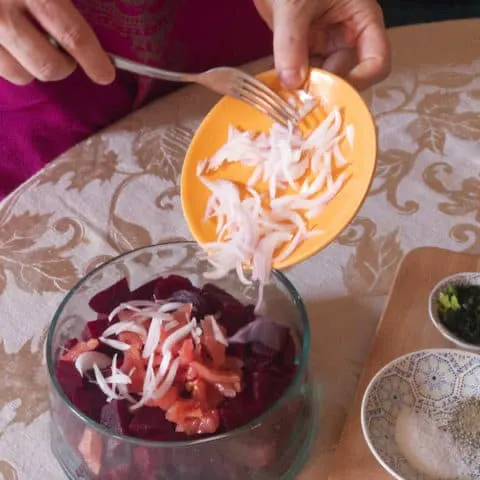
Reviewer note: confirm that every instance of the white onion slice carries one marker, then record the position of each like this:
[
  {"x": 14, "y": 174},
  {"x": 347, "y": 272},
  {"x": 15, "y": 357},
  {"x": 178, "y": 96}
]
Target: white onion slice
[
  {"x": 120, "y": 308},
  {"x": 171, "y": 307},
  {"x": 120, "y": 327},
  {"x": 169, "y": 379},
  {"x": 119, "y": 378},
  {"x": 116, "y": 344},
  {"x": 163, "y": 368},
  {"x": 148, "y": 386},
  {"x": 248, "y": 231},
  {"x": 153, "y": 336},
  {"x": 86, "y": 360},
  {"x": 217, "y": 332},
  {"x": 176, "y": 336},
  {"x": 101, "y": 382},
  {"x": 172, "y": 324}
]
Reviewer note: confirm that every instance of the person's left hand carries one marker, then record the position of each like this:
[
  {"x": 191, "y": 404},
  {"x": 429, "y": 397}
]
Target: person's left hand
[{"x": 348, "y": 36}]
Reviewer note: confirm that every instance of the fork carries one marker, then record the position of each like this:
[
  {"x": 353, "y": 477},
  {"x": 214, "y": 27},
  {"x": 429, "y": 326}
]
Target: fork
[{"x": 225, "y": 81}]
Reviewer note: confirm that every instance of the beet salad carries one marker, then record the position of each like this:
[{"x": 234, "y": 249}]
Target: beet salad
[{"x": 170, "y": 361}]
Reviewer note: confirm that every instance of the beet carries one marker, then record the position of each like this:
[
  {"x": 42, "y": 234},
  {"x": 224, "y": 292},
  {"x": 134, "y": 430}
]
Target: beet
[
  {"x": 145, "y": 291},
  {"x": 234, "y": 317},
  {"x": 233, "y": 314},
  {"x": 261, "y": 386},
  {"x": 165, "y": 287},
  {"x": 116, "y": 416},
  {"x": 90, "y": 401},
  {"x": 116, "y": 460},
  {"x": 239, "y": 411},
  {"x": 151, "y": 462},
  {"x": 289, "y": 352},
  {"x": 150, "y": 421},
  {"x": 118, "y": 473},
  {"x": 145, "y": 461},
  {"x": 106, "y": 300},
  {"x": 237, "y": 350},
  {"x": 95, "y": 328},
  {"x": 68, "y": 378},
  {"x": 262, "y": 351}
]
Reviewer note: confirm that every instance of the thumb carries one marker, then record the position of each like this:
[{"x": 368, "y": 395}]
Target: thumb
[{"x": 291, "y": 22}]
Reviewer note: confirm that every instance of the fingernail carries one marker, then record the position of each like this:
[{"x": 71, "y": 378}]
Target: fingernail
[
  {"x": 291, "y": 78},
  {"x": 107, "y": 77}
]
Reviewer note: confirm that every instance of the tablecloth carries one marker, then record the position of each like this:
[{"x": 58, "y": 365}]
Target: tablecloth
[{"x": 120, "y": 189}]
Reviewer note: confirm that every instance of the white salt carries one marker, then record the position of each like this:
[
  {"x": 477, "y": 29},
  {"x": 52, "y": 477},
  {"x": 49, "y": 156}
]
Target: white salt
[{"x": 427, "y": 448}]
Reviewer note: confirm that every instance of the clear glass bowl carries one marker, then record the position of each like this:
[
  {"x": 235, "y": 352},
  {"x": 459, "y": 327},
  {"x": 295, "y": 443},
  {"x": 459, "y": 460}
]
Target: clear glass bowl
[{"x": 273, "y": 446}]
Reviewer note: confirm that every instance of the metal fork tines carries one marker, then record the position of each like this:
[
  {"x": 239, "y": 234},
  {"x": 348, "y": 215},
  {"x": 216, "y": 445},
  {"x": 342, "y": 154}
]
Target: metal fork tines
[
  {"x": 257, "y": 94},
  {"x": 238, "y": 84}
]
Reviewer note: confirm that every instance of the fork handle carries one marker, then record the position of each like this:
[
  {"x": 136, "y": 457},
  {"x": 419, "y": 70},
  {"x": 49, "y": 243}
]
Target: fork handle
[
  {"x": 139, "y": 68},
  {"x": 153, "y": 72}
]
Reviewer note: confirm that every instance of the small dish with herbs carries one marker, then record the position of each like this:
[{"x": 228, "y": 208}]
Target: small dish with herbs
[{"x": 454, "y": 308}]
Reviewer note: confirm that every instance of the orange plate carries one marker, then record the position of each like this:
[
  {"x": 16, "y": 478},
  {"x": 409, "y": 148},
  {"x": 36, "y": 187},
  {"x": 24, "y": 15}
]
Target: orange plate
[{"x": 332, "y": 92}]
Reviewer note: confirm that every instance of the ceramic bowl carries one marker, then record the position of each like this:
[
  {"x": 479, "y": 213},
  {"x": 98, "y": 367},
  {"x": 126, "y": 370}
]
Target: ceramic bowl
[
  {"x": 472, "y": 278},
  {"x": 331, "y": 92},
  {"x": 429, "y": 382}
]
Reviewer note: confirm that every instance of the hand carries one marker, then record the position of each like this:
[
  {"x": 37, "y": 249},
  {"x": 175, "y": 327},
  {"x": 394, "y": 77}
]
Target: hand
[
  {"x": 348, "y": 36},
  {"x": 26, "y": 53}
]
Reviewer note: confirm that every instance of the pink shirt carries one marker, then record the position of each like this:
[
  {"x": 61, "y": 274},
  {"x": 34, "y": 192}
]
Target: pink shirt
[{"x": 40, "y": 121}]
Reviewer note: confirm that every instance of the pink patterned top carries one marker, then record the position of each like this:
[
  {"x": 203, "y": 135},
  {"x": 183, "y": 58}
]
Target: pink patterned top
[{"x": 40, "y": 121}]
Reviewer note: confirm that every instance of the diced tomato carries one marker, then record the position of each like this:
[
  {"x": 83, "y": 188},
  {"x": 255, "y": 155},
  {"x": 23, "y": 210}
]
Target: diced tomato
[
  {"x": 205, "y": 394},
  {"x": 208, "y": 423},
  {"x": 133, "y": 360},
  {"x": 131, "y": 338},
  {"x": 126, "y": 315},
  {"x": 228, "y": 390},
  {"x": 216, "y": 376},
  {"x": 183, "y": 314},
  {"x": 182, "y": 409},
  {"x": 166, "y": 401},
  {"x": 232, "y": 363},
  {"x": 215, "y": 350},
  {"x": 90, "y": 447},
  {"x": 157, "y": 359},
  {"x": 187, "y": 352},
  {"x": 80, "y": 347}
]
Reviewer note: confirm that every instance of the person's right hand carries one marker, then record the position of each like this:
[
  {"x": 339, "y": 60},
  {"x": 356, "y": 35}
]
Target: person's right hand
[{"x": 27, "y": 54}]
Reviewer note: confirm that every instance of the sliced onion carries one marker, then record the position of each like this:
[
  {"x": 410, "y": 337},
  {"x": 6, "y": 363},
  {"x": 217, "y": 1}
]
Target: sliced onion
[
  {"x": 163, "y": 368},
  {"x": 148, "y": 386},
  {"x": 176, "y": 336},
  {"x": 116, "y": 344},
  {"x": 169, "y": 379},
  {"x": 217, "y": 332},
  {"x": 119, "y": 378},
  {"x": 86, "y": 360},
  {"x": 171, "y": 307},
  {"x": 153, "y": 336},
  {"x": 248, "y": 231},
  {"x": 102, "y": 384},
  {"x": 120, "y": 327}
]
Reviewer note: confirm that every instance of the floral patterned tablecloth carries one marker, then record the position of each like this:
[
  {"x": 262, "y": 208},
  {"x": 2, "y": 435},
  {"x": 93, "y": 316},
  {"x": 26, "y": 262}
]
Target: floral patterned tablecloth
[{"x": 120, "y": 189}]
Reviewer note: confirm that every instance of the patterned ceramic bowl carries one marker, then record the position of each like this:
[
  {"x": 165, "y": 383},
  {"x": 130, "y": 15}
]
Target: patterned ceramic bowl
[
  {"x": 429, "y": 382},
  {"x": 472, "y": 278}
]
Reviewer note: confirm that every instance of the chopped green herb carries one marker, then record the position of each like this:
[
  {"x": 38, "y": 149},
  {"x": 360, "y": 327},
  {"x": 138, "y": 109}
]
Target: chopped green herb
[{"x": 459, "y": 311}]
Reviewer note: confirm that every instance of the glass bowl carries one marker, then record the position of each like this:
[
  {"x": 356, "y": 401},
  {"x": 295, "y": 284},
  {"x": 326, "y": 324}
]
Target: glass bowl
[{"x": 272, "y": 446}]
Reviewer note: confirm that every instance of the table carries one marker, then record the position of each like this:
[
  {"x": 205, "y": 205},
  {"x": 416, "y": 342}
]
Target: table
[{"x": 120, "y": 189}]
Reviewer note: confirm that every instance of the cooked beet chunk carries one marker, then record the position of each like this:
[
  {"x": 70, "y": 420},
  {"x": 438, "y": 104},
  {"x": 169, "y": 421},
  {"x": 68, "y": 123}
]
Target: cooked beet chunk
[{"x": 106, "y": 300}]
